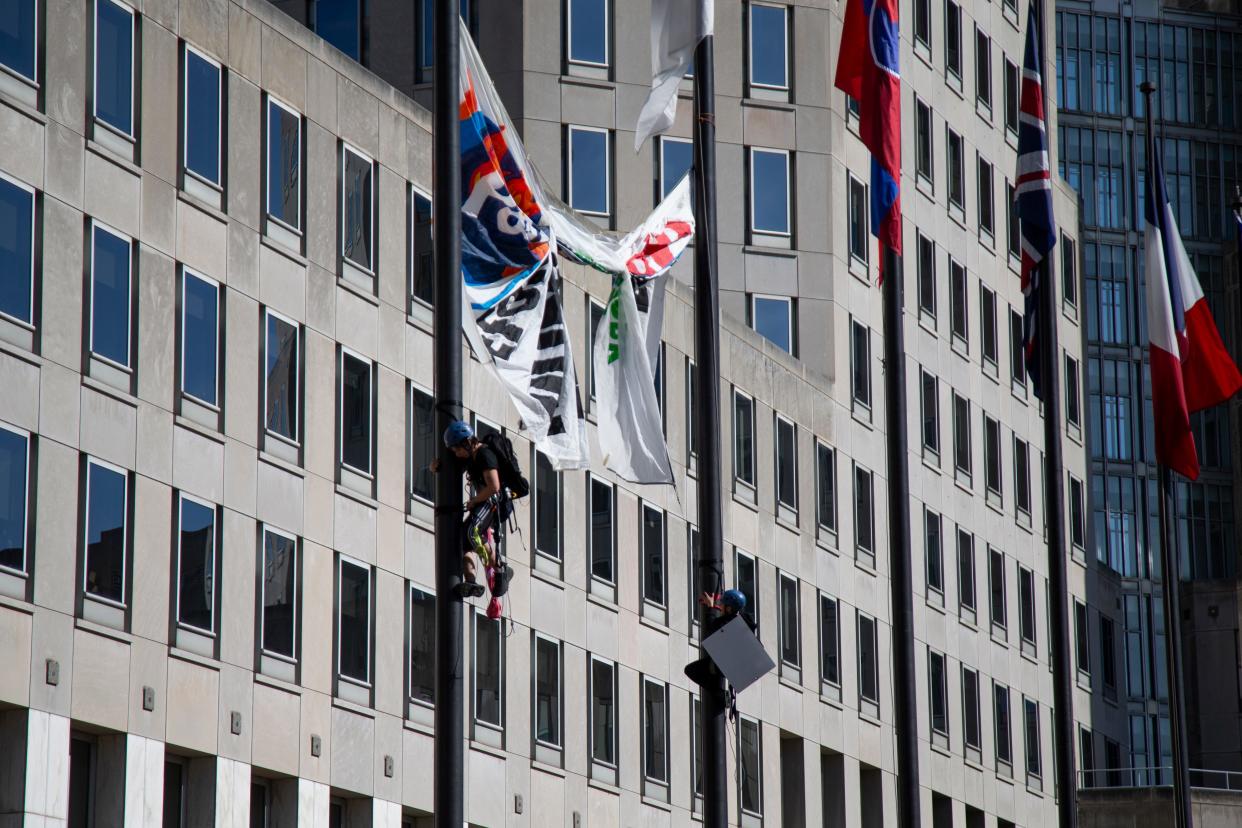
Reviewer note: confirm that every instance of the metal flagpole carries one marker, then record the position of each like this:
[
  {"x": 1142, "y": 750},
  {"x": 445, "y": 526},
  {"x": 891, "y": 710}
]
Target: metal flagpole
[
  {"x": 449, "y": 757},
  {"x": 707, "y": 424},
  {"x": 1171, "y": 585},
  {"x": 1058, "y": 580},
  {"x": 901, "y": 586}
]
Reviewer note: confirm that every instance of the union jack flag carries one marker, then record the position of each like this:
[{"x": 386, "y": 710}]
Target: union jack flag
[{"x": 1033, "y": 196}]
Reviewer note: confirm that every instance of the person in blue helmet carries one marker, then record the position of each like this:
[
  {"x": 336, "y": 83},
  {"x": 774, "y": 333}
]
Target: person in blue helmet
[
  {"x": 486, "y": 508},
  {"x": 726, "y": 606}
]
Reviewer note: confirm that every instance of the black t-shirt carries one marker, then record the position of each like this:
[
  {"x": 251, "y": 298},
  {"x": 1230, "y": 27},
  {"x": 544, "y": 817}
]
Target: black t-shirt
[{"x": 482, "y": 460}]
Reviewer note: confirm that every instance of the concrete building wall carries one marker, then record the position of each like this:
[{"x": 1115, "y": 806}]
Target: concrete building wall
[{"x": 126, "y": 690}]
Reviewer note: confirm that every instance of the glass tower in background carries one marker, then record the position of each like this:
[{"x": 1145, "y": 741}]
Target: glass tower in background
[{"x": 1192, "y": 51}]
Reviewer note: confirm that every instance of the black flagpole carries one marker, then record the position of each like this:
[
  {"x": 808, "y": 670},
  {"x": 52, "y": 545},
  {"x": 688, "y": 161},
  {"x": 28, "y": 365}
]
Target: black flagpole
[
  {"x": 1171, "y": 587},
  {"x": 449, "y": 756},
  {"x": 901, "y": 585},
  {"x": 707, "y": 424}
]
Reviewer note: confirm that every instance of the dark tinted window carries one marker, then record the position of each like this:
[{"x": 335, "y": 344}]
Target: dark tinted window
[
  {"x": 16, "y": 247},
  {"x": 588, "y": 31},
  {"x": 114, "y": 65},
  {"x": 826, "y": 486},
  {"x": 769, "y": 181},
  {"x": 868, "y": 665},
  {"x": 676, "y": 158},
  {"x": 422, "y": 252},
  {"x": 196, "y": 566},
  {"x": 750, "y": 770},
  {"x": 281, "y": 373},
  {"x": 653, "y": 555},
  {"x": 786, "y": 464},
  {"x": 547, "y": 507},
  {"x": 279, "y": 583},
  {"x": 829, "y": 641},
  {"x": 14, "y": 479},
  {"x": 200, "y": 327},
  {"x": 603, "y": 713},
  {"x": 791, "y": 627},
  {"x": 356, "y": 209},
  {"x": 284, "y": 165},
  {"x": 356, "y": 413},
  {"x": 422, "y": 444},
  {"x": 340, "y": 23},
  {"x": 18, "y": 37},
  {"x": 589, "y": 171},
  {"x": 547, "y": 692},
  {"x": 354, "y": 622},
  {"x": 202, "y": 117},
  {"x": 422, "y": 646},
  {"x": 488, "y": 671},
  {"x": 111, "y": 262},
  {"x": 107, "y": 493},
  {"x": 602, "y": 531},
  {"x": 744, "y": 439},
  {"x": 768, "y": 44},
  {"x": 655, "y": 731}
]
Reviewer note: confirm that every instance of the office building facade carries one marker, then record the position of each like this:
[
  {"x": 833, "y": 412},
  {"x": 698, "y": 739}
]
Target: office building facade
[{"x": 216, "y": 552}]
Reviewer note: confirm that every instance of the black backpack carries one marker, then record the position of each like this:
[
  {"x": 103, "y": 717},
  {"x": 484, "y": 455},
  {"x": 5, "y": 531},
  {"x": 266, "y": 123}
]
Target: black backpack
[{"x": 507, "y": 465}]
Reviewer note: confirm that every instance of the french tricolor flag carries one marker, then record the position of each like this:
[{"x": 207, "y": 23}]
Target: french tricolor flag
[{"x": 1190, "y": 368}]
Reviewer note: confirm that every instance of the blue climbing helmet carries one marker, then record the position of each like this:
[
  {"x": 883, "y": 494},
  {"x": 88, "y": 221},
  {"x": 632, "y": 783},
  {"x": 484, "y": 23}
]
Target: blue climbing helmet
[
  {"x": 458, "y": 432},
  {"x": 733, "y": 599}
]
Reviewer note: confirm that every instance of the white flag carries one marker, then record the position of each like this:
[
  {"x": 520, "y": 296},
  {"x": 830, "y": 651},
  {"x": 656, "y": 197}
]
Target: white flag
[
  {"x": 627, "y": 345},
  {"x": 677, "y": 26}
]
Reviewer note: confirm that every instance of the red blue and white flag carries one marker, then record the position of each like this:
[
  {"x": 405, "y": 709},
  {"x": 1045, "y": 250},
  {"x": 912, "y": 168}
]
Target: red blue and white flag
[
  {"x": 1190, "y": 368},
  {"x": 1033, "y": 196},
  {"x": 867, "y": 71}
]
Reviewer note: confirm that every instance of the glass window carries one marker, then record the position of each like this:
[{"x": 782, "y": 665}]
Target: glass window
[
  {"x": 357, "y": 413},
  {"x": 860, "y": 364},
  {"x": 750, "y": 765},
  {"x": 987, "y": 314},
  {"x": 547, "y": 692},
  {"x": 278, "y": 594},
  {"x": 14, "y": 498},
  {"x": 927, "y": 275},
  {"x": 858, "y": 219},
  {"x": 987, "y": 207},
  {"x": 547, "y": 505},
  {"x": 1013, "y": 223},
  {"x": 588, "y": 31},
  {"x": 983, "y": 68},
  {"x": 1017, "y": 351},
  {"x": 655, "y": 731},
  {"x": 114, "y": 65},
  {"x": 746, "y": 581},
  {"x": 826, "y": 487},
  {"x": 422, "y": 249},
  {"x": 996, "y": 588},
  {"x": 922, "y": 22},
  {"x": 1069, "y": 271},
  {"x": 340, "y": 23},
  {"x": 201, "y": 112},
  {"x": 696, "y": 752},
  {"x": 953, "y": 37},
  {"x": 17, "y": 229},
  {"x": 1022, "y": 476},
  {"x": 488, "y": 671},
  {"x": 933, "y": 551},
  {"x": 1073, "y": 413},
  {"x": 1082, "y": 638},
  {"x": 200, "y": 331},
  {"x": 603, "y": 712},
  {"x": 692, "y": 409},
  {"x": 423, "y": 446},
  {"x": 868, "y": 661},
  {"x": 1034, "y": 765},
  {"x": 1000, "y": 716},
  {"x": 791, "y": 622},
  {"x": 1108, "y": 656},
  {"x": 590, "y": 171},
  {"x": 284, "y": 164},
  {"x": 864, "y": 514},
  {"x": 676, "y": 159},
  {"x": 786, "y": 464},
  {"x": 929, "y": 402},
  {"x": 357, "y": 208},
  {"x": 966, "y": 572},
  {"x": 281, "y": 375},
  {"x": 769, "y": 192},
  {"x": 923, "y": 139},
  {"x": 743, "y": 438},
  {"x": 957, "y": 170},
  {"x": 107, "y": 531},
  {"x": 772, "y": 318},
  {"x": 196, "y": 565},
  {"x": 111, "y": 272},
  {"x": 1026, "y": 604},
  {"x": 695, "y": 579},
  {"x": 603, "y": 531},
  {"x": 354, "y": 621},
  {"x": 596, "y": 318},
  {"x": 1078, "y": 520},
  {"x": 938, "y": 689},
  {"x": 959, "y": 318},
  {"x": 422, "y": 646},
  {"x": 19, "y": 38},
  {"x": 961, "y": 434},
  {"x": 769, "y": 46},
  {"x": 992, "y": 476},
  {"x": 829, "y": 641},
  {"x": 654, "y": 568},
  {"x": 1011, "y": 96},
  {"x": 970, "y": 709}
]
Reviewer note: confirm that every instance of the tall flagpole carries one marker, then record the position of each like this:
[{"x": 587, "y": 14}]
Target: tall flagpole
[
  {"x": 1046, "y": 317},
  {"x": 707, "y": 424},
  {"x": 449, "y": 751},
  {"x": 1171, "y": 589}
]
